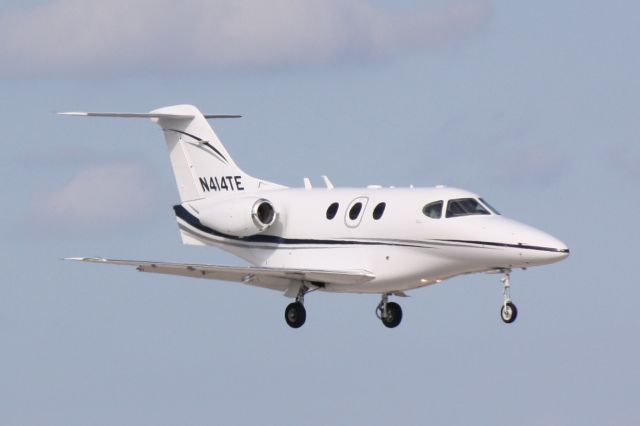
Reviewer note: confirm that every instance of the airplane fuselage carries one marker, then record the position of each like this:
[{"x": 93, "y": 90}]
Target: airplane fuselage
[{"x": 403, "y": 247}]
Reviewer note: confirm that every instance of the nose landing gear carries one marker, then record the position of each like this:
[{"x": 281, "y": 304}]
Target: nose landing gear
[
  {"x": 508, "y": 311},
  {"x": 390, "y": 313}
]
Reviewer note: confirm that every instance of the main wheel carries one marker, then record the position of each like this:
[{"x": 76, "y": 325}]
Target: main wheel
[
  {"x": 394, "y": 315},
  {"x": 509, "y": 312},
  {"x": 295, "y": 314}
]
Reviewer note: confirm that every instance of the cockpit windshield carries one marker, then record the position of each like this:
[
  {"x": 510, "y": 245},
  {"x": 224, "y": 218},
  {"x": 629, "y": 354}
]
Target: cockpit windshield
[
  {"x": 489, "y": 206},
  {"x": 465, "y": 207}
]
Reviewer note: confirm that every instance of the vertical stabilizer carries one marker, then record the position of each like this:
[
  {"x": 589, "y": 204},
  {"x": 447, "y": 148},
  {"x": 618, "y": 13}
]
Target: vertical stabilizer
[{"x": 202, "y": 166}]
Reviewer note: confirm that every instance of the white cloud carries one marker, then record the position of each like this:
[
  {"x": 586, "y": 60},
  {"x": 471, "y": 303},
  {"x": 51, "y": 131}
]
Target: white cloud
[
  {"x": 205, "y": 35},
  {"x": 98, "y": 198}
]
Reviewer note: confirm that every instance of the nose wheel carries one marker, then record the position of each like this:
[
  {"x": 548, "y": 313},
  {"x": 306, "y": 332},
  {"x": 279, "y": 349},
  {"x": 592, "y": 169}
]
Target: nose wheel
[
  {"x": 508, "y": 311},
  {"x": 390, "y": 313}
]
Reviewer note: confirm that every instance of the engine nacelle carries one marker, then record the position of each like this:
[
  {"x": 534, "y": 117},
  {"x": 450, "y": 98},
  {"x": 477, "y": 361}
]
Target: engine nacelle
[{"x": 240, "y": 217}]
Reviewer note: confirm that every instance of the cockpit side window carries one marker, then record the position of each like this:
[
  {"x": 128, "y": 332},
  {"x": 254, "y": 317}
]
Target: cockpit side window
[
  {"x": 433, "y": 210},
  {"x": 465, "y": 207}
]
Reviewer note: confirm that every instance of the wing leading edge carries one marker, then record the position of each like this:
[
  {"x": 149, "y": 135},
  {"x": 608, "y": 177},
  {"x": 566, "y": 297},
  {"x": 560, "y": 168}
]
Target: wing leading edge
[{"x": 272, "y": 278}]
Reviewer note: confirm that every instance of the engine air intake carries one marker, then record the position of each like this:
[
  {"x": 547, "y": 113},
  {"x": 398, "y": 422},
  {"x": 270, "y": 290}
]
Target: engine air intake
[{"x": 263, "y": 213}]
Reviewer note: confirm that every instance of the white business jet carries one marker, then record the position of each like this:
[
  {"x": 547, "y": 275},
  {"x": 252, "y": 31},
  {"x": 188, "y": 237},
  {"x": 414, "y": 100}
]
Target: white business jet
[{"x": 345, "y": 240}]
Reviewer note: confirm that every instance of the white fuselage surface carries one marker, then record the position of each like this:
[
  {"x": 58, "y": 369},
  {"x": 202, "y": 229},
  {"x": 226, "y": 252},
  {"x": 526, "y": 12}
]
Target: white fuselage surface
[{"x": 403, "y": 248}]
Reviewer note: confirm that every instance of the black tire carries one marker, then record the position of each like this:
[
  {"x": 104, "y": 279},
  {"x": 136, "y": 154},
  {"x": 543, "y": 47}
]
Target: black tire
[
  {"x": 509, "y": 315},
  {"x": 394, "y": 315},
  {"x": 295, "y": 315}
]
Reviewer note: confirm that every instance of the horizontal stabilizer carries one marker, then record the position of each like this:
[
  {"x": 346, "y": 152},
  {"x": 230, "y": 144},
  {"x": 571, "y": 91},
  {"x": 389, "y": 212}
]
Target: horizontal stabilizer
[
  {"x": 145, "y": 115},
  {"x": 273, "y": 278}
]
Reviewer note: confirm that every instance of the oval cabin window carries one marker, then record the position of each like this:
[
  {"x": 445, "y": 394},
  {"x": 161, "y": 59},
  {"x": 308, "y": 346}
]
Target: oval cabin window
[
  {"x": 332, "y": 210},
  {"x": 379, "y": 210},
  {"x": 355, "y": 211}
]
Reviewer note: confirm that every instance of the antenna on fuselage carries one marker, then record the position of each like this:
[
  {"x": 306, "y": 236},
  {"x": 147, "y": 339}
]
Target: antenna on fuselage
[
  {"x": 327, "y": 182},
  {"x": 307, "y": 183}
]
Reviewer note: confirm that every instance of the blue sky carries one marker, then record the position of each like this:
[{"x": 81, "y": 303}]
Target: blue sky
[{"x": 534, "y": 106}]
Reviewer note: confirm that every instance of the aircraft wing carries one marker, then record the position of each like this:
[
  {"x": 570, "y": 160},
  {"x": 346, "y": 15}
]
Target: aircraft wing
[{"x": 273, "y": 278}]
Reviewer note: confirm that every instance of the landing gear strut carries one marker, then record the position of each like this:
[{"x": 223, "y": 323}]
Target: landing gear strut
[
  {"x": 390, "y": 313},
  {"x": 295, "y": 314},
  {"x": 508, "y": 311}
]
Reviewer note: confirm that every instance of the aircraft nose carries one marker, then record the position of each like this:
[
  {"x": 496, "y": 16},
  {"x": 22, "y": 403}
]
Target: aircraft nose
[
  {"x": 548, "y": 248},
  {"x": 557, "y": 248}
]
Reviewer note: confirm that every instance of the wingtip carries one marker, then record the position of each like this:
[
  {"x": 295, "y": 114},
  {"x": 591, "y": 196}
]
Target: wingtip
[
  {"x": 86, "y": 259},
  {"x": 214, "y": 116}
]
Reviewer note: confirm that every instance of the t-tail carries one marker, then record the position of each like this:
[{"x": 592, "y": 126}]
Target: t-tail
[
  {"x": 201, "y": 165},
  {"x": 207, "y": 177}
]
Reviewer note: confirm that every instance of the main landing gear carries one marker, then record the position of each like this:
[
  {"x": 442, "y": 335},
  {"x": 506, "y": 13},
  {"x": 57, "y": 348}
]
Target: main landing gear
[
  {"x": 295, "y": 314},
  {"x": 390, "y": 313},
  {"x": 508, "y": 312}
]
